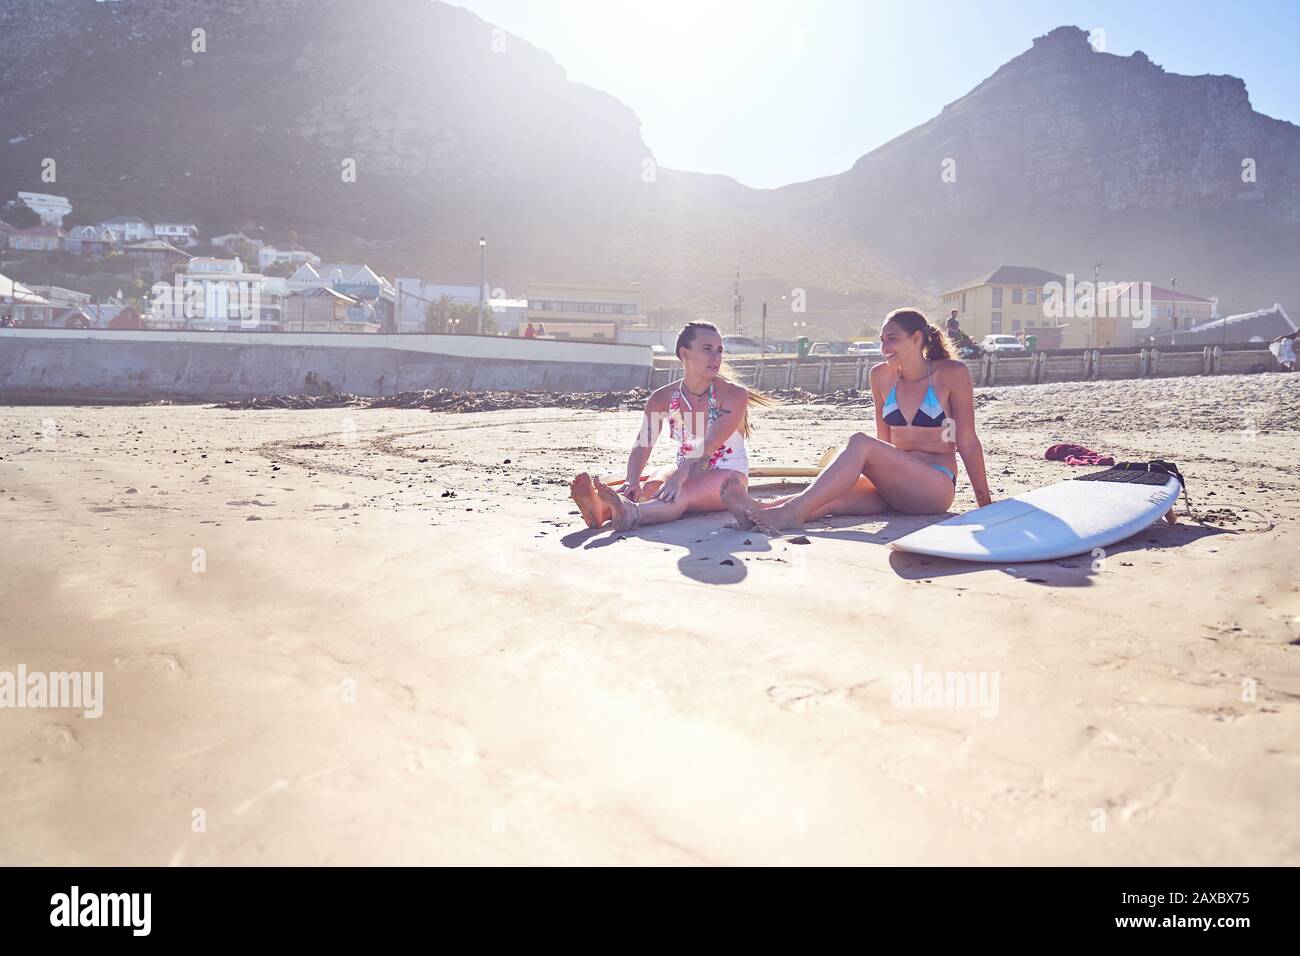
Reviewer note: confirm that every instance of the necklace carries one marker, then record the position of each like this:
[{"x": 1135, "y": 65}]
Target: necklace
[{"x": 696, "y": 394}]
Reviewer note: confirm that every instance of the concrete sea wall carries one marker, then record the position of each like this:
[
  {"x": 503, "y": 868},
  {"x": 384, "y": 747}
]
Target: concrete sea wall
[{"x": 103, "y": 366}]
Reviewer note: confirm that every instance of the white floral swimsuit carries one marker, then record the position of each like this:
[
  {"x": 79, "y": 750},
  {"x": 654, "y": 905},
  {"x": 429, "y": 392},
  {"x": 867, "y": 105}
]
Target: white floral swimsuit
[{"x": 731, "y": 454}]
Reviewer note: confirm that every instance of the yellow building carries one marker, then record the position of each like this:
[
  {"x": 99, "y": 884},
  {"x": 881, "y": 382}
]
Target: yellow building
[
  {"x": 1006, "y": 301},
  {"x": 1135, "y": 314},
  {"x": 582, "y": 311}
]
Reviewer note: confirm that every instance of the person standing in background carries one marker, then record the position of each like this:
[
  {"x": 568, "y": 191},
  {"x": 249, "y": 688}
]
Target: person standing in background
[{"x": 1283, "y": 349}]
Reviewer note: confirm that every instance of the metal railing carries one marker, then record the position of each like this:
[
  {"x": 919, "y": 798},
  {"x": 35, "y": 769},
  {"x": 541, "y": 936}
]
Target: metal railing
[{"x": 826, "y": 374}]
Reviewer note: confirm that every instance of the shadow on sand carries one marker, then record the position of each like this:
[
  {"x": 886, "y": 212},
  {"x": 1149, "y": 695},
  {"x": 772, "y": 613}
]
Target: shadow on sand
[{"x": 716, "y": 552}]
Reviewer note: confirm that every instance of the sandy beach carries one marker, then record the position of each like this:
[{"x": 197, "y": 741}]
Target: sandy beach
[{"x": 385, "y": 636}]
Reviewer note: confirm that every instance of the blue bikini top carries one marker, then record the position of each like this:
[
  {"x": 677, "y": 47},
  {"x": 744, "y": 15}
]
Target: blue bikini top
[{"x": 930, "y": 414}]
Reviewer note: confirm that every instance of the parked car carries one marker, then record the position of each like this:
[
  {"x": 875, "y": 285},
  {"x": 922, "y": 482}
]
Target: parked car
[
  {"x": 1001, "y": 343},
  {"x": 820, "y": 348},
  {"x": 741, "y": 345},
  {"x": 870, "y": 349}
]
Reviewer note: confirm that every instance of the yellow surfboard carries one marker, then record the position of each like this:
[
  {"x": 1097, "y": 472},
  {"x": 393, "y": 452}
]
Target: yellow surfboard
[{"x": 795, "y": 471}]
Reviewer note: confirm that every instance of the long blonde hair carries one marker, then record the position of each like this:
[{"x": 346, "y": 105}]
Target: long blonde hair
[{"x": 756, "y": 398}]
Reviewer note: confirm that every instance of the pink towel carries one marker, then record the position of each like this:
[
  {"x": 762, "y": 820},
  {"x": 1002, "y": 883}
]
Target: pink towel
[{"x": 1077, "y": 455}]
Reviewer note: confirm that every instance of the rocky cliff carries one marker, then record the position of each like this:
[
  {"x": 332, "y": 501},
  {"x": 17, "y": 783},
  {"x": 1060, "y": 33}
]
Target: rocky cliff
[
  {"x": 454, "y": 129},
  {"x": 1063, "y": 157},
  {"x": 1067, "y": 156}
]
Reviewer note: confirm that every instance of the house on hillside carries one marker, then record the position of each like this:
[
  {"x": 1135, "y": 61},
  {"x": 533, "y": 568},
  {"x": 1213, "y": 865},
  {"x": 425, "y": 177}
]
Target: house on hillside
[
  {"x": 269, "y": 257},
  {"x": 156, "y": 257},
  {"x": 217, "y": 295},
  {"x": 6, "y": 231},
  {"x": 230, "y": 241},
  {"x": 94, "y": 241},
  {"x": 321, "y": 309},
  {"x": 360, "y": 282},
  {"x": 44, "y": 238},
  {"x": 129, "y": 228},
  {"x": 355, "y": 279},
  {"x": 179, "y": 234},
  {"x": 51, "y": 209}
]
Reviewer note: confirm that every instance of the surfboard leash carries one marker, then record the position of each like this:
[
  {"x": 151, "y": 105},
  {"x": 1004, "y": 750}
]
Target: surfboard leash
[{"x": 1159, "y": 466}]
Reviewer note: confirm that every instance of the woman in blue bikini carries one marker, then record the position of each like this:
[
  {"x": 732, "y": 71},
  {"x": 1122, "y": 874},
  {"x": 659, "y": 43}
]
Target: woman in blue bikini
[{"x": 925, "y": 417}]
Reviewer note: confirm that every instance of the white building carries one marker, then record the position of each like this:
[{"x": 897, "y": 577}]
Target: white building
[
  {"x": 179, "y": 234},
  {"x": 217, "y": 295},
  {"x": 61, "y": 297},
  {"x": 415, "y": 295},
  {"x": 268, "y": 256},
  {"x": 230, "y": 240},
  {"x": 22, "y": 305},
  {"x": 129, "y": 228},
  {"x": 51, "y": 209},
  {"x": 207, "y": 265}
]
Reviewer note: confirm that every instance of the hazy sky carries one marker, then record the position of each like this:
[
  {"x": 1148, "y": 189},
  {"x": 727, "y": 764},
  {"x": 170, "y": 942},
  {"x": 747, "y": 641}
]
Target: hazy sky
[{"x": 778, "y": 91}]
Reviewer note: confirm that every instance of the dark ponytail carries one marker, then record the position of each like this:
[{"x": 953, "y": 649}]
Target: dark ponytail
[{"x": 934, "y": 343}]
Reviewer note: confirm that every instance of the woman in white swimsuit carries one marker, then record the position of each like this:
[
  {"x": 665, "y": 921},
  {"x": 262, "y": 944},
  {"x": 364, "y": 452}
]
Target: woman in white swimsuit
[{"x": 708, "y": 419}]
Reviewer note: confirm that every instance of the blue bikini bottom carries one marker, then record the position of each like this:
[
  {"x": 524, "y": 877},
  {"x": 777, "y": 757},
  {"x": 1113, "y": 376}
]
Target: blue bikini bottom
[{"x": 948, "y": 472}]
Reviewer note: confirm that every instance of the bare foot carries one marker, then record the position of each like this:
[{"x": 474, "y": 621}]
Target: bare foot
[
  {"x": 622, "y": 512},
  {"x": 737, "y": 500},
  {"x": 588, "y": 502},
  {"x": 781, "y": 518}
]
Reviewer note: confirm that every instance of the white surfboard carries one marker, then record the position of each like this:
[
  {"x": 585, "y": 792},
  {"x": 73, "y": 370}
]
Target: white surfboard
[{"x": 1057, "y": 521}]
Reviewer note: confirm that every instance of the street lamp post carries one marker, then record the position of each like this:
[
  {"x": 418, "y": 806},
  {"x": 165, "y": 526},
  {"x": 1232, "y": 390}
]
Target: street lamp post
[
  {"x": 482, "y": 280},
  {"x": 1173, "y": 311},
  {"x": 1096, "y": 300}
]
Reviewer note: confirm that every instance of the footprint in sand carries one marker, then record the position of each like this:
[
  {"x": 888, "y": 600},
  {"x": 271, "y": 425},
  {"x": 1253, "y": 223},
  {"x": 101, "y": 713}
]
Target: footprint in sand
[
  {"x": 60, "y": 739},
  {"x": 797, "y": 697},
  {"x": 158, "y": 663},
  {"x": 1223, "y": 714}
]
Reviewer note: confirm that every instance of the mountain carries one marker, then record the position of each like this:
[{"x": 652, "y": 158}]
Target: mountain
[
  {"x": 1062, "y": 158},
  {"x": 456, "y": 129},
  {"x": 1067, "y": 156}
]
